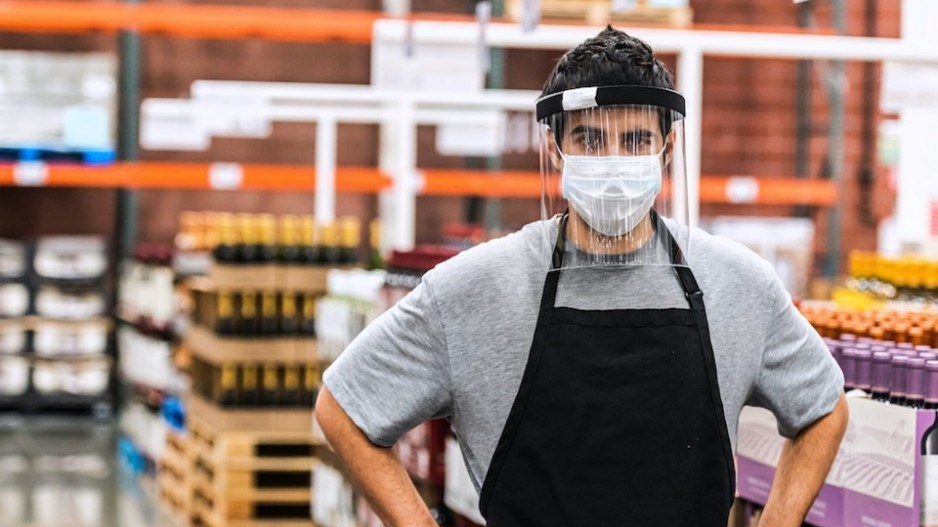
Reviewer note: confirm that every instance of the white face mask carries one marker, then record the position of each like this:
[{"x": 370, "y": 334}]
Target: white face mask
[{"x": 612, "y": 193}]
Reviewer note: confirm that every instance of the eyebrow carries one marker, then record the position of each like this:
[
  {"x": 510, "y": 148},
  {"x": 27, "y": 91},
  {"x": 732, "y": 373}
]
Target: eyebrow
[{"x": 592, "y": 130}]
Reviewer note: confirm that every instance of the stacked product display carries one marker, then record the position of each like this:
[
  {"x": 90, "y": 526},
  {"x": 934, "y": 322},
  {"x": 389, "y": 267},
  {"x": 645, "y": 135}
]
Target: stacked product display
[
  {"x": 53, "y": 326},
  {"x": 248, "y": 448},
  {"x": 891, "y": 375}
]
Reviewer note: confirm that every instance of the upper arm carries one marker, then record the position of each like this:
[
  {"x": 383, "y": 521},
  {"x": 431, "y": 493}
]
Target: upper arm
[
  {"x": 799, "y": 380},
  {"x": 395, "y": 374}
]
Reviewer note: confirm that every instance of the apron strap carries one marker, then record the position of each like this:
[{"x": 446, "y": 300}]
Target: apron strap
[{"x": 684, "y": 274}]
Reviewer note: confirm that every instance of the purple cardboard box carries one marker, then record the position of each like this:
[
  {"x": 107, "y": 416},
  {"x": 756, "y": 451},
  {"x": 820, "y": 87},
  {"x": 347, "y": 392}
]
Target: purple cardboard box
[{"x": 876, "y": 479}]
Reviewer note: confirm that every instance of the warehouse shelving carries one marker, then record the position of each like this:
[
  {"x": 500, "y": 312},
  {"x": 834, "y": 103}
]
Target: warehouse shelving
[{"x": 432, "y": 182}]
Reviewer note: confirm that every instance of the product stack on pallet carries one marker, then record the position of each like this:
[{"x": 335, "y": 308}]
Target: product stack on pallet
[
  {"x": 54, "y": 328},
  {"x": 886, "y": 343},
  {"x": 248, "y": 449},
  {"x": 672, "y": 13}
]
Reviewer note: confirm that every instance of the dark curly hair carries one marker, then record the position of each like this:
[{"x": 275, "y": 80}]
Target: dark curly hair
[{"x": 611, "y": 57}]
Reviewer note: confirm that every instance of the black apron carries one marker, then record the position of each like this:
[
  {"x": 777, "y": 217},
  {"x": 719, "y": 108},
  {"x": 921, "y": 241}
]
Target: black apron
[{"x": 618, "y": 421}]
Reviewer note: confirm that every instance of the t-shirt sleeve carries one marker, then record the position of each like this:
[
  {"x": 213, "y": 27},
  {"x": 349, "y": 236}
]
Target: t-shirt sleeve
[
  {"x": 800, "y": 381},
  {"x": 396, "y": 373}
]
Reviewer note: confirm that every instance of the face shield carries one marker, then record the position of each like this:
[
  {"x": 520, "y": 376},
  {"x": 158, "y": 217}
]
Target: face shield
[{"x": 613, "y": 172}]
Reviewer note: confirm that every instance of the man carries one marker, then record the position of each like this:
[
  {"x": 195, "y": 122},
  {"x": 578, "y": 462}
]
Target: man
[{"x": 585, "y": 379}]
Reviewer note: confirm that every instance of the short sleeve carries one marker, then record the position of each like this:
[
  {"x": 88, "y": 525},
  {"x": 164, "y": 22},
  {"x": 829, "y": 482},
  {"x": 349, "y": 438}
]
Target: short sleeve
[
  {"x": 395, "y": 374},
  {"x": 800, "y": 381}
]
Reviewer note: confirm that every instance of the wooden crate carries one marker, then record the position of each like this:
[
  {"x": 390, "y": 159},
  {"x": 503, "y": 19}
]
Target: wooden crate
[
  {"x": 250, "y": 476},
  {"x": 599, "y": 12},
  {"x": 173, "y": 477}
]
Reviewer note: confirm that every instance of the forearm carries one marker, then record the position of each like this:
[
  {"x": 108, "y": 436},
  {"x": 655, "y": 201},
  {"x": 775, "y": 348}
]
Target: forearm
[
  {"x": 376, "y": 471},
  {"x": 802, "y": 468}
]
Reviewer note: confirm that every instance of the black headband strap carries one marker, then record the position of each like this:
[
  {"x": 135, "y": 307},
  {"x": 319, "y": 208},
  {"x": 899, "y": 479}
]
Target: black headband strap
[{"x": 618, "y": 95}]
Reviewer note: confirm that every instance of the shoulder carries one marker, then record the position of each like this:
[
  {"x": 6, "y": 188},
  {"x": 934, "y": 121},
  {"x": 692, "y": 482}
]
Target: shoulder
[
  {"x": 716, "y": 259},
  {"x": 500, "y": 261}
]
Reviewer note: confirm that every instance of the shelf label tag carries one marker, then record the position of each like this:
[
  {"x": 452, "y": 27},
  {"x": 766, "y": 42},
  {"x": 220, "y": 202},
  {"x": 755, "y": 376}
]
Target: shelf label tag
[
  {"x": 225, "y": 176},
  {"x": 30, "y": 173},
  {"x": 742, "y": 189}
]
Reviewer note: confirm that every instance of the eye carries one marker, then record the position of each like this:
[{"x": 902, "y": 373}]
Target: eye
[
  {"x": 590, "y": 142},
  {"x": 638, "y": 142}
]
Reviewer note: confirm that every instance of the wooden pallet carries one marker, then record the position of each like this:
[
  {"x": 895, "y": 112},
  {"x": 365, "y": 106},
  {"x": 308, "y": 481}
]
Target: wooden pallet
[
  {"x": 599, "y": 12},
  {"x": 251, "y": 478},
  {"x": 173, "y": 476}
]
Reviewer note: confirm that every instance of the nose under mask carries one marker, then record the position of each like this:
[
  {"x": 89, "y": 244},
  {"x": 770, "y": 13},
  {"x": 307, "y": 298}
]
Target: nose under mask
[{"x": 611, "y": 193}]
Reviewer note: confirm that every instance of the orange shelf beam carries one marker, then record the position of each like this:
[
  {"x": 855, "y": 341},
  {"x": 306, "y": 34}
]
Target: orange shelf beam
[
  {"x": 435, "y": 182},
  {"x": 233, "y": 22},
  {"x": 771, "y": 191},
  {"x": 195, "y": 176},
  {"x": 198, "y": 21}
]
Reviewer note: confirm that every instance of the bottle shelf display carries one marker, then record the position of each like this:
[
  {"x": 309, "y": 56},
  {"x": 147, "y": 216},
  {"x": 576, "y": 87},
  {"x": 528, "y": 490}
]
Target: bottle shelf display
[
  {"x": 891, "y": 379},
  {"x": 907, "y": 278}
]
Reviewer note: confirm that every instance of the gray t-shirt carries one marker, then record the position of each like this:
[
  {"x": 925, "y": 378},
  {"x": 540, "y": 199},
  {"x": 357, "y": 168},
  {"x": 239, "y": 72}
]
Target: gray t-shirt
[{"x": 456, "y": 346}]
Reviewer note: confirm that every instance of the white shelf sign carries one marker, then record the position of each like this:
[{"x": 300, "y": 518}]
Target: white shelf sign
[
  {"x": 742, "y": 189},
  {"x": 225, "y": 176},
  {"x": 30, "y": 173}
]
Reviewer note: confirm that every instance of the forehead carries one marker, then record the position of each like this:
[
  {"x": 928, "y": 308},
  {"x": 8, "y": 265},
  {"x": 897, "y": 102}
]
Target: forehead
[{"x": 622, "y": 118}]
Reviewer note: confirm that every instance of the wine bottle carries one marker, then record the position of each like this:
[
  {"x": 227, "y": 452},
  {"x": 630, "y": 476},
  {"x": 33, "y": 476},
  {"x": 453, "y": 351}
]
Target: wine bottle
[
  {"x": 350, "y": 236},
  {"x": 849, "y": 359},
  {"x": 863, "y": 372},
  {"x": 268, "y": 325},
  {"x": 227, "y": 386},
  {"x": 881, "y": 373},
  {"x": 226, "y": 251},
  {"x": 247, "y": 246},
  {"x": 249, "y": 391},
  {"x": 248, "y": 323},
  {"x": 308, "y": 319},
  {"x": 288, "y": 318},
  {"x": 897, "y": 389},
  {"x": 931, "y": 385},
  {"x": 310, "y": 249},
  {"x": 915, "y": 383},
  {"x": 271, "y": 392},
  {"x": 291, "y": 385},
  {"x": 266, "y": 238},
  {"x": 225, "y": 313},
  {"x": 330, "y": 251},
  {"x": 289, "y": 240}
]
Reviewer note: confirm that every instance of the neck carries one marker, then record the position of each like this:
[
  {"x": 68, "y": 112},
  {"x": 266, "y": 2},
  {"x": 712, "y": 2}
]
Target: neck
[{"x": 591, "y": 241}]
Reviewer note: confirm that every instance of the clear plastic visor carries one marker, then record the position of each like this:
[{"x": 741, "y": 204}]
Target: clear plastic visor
[{"x": 618, "y": 173}]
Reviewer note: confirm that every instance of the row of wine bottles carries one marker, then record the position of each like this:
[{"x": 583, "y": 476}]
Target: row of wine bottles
[
  {"x": 898, "y": 373},
  {"x": 265, "y": 313},
  {"x": 919, "y": 328},
  {"x": 265, "y": 238},
  {"x": 265, "y": 385},
  {"x": 904, "y": 278}
]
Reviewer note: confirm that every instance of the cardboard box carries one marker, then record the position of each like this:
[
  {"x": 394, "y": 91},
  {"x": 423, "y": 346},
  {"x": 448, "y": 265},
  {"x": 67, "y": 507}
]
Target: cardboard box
[{"x": 878, "y": 474}]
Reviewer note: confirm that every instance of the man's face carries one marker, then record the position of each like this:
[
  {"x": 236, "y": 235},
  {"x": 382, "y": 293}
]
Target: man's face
[{"x": 613, "y": 131}]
